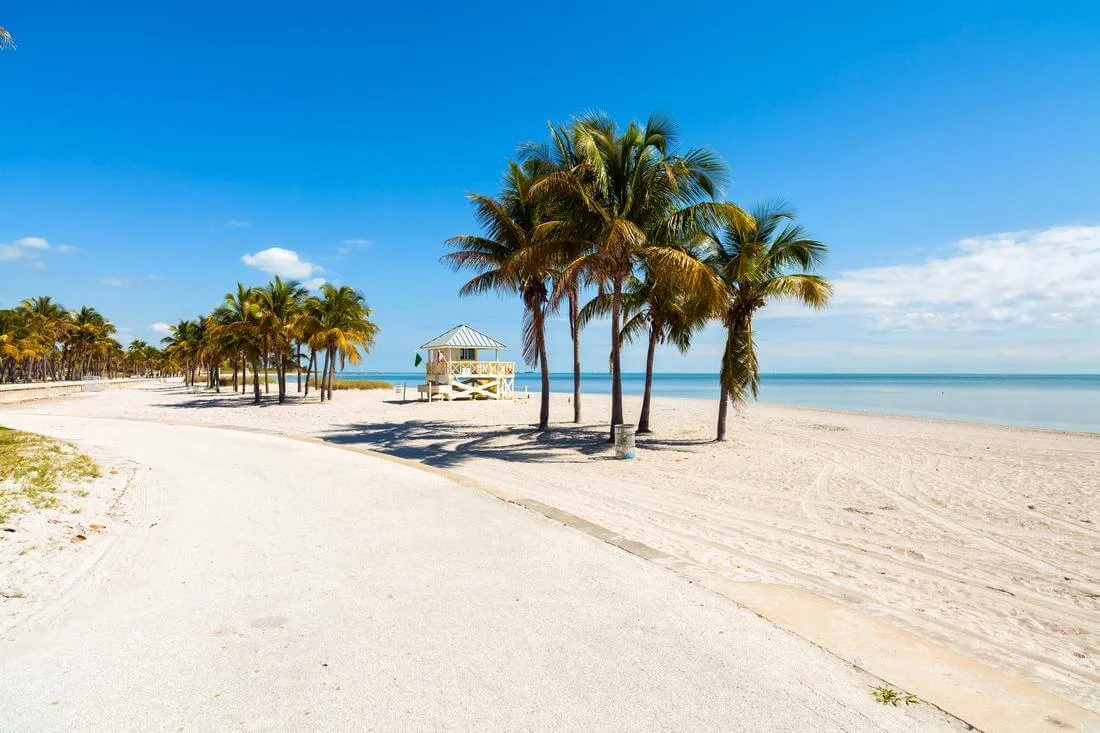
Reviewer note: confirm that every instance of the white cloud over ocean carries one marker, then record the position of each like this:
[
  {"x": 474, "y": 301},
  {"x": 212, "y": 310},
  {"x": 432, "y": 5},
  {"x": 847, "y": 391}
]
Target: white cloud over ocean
[
  {"x": 1049, "y": 277},
  {"x": 281, "y": 262}
]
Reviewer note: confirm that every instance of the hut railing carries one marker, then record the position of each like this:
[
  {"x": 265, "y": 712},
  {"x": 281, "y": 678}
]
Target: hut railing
[{"x": 457, "y": 369}]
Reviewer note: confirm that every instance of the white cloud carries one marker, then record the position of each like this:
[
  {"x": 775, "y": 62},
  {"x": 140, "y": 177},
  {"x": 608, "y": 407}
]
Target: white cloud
[
  {"x": 282, "y": 262},
  {"x": 32, "y": 243},
  {"x": 161, "y": 328},
  {"x": 238, "y": 223},
  {"x": 154, "y": 277},
  {"x": 29, "y": 250},
  {"x": 356, "y": 242},
  {"x": 991, "y": 282},
  {"x": 114, "y": 282},
  {"x": 314, "y": 283}
]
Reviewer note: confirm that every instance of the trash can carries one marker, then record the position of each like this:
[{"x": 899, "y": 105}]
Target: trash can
[{"x": 624, "y": 440}]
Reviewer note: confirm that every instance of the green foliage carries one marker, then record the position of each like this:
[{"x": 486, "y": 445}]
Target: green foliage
[
  {"x": 361, "y": 384},
  {"x": 33, "y": 470},
  {"x": 889, "y": 696}
]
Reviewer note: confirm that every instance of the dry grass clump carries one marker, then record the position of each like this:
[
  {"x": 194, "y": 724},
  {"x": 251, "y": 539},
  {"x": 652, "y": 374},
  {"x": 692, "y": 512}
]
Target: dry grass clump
[
  {"x": 361, "y": 384},
  {"x": 33, "y": 469}
]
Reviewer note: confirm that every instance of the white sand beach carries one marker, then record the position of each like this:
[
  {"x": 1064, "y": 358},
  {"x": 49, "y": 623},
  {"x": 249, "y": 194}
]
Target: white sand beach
[
  {"x": 261, "y": 583},
  {"x": 983, "y": 538}
]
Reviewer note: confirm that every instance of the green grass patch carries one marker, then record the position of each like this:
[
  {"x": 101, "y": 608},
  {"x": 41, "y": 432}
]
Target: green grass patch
[
  {"x": 33, "y": 469},
  {"x": 889, "y": 696},
  {"x": 361, "y": 384}
]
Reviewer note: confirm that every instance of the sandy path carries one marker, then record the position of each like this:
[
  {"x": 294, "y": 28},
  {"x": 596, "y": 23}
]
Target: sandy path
[
  {"x": 985, "y": 539},
  {"x": 275, "y": 584}
]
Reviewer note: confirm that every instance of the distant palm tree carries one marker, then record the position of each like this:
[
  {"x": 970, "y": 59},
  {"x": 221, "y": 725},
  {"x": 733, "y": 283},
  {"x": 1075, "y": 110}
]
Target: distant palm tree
[
  {"x": 185, "y": 343},
  {"x": 763, "y": 258},
  {"x": 507, "y": 260},
  {"x": 280, "y": 307},
  {"x": 240, "y": 330},
  {"x": 643, "y": 199},
  {"x": 6, "y": 40},
  {"x": 344, "y": 329}
]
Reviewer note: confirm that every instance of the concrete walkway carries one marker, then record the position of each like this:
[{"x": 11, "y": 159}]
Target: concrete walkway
[{"x": 266, "y": 583}]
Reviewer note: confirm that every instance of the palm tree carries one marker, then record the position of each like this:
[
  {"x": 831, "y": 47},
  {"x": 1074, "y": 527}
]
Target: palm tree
[
  {"x": 508, "y": 261},
  {"x": 88, "y": 342},
  {"x": 184, "y": 342},
  {"x": 658, "y": 307},
  {"x": 343, "y": 329},
  {"x": 239, "y": 328},
  {"x": 560, "y": 155},
  {"x": 763, "y": 258},
  {"x": 638, "y": 200},
  {"x": 6, "y": 40},
  {"x": 280, "y": 307}
]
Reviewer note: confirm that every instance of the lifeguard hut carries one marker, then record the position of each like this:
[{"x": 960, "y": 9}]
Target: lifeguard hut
[{"x": 453, "y": 369}]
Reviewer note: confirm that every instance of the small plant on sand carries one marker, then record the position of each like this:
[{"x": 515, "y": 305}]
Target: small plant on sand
[
  {"x": 889, "y": 696},
  {"x": 361, "y": 384},
  {"x": 33, "y": 469}
]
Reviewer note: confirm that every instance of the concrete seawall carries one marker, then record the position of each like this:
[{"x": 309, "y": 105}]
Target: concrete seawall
[{"x": 10, "y": 393}]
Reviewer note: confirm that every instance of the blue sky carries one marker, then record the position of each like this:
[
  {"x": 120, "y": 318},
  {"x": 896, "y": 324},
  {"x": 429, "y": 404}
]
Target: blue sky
[{"x": 946, "y": 152}]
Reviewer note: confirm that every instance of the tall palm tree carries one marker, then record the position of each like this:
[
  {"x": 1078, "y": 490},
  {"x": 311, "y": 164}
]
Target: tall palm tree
[
  {"x": 239, "y": 329},
  {"x": 657, "y": 307},
  {"x": 643, "y": 199},
  {"x": 763, "y": 258},
  {"x": 508, "y": 261},
  {"x": 344, "y": 329},
  {"x": 560, "y": 155},
  {"x": 280, "y": 308}
]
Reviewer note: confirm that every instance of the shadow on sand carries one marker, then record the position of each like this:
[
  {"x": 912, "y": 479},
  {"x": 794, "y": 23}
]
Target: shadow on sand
[{"x": 447, "y": 444}]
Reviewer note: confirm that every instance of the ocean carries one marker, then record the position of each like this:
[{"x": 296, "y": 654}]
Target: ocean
[{"x": 1058, "y": 401}]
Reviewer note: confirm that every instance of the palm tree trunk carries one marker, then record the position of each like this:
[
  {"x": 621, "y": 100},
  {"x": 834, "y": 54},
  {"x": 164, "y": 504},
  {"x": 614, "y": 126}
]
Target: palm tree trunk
[
  {"x": 723, "y": 406},
  {"x": 540, "y": 343},
  {"x": 309, "y": 368},
  {"x": 575, "y": 333},
  {"x": 725, "y": 376},
  {"x": 647, "y": 395},
  {"x": 616, "y": 362},
  {"x": 324, "y": 374},
  {"x": 331, "y": 373},
  {"x": 298, "y": 365},
  {"x": 255, "y": 382}
]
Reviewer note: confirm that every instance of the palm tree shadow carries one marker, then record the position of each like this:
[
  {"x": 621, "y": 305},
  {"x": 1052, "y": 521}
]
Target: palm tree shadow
[{"x": 444, "y": 444}]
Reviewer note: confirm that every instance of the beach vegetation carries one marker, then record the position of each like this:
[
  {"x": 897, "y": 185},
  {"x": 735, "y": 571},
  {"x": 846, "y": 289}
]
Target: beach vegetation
[
  {"x": 889, "y": 696},
  {"x": 35, "y": 471},
  {"x": 361, "y": 384}
]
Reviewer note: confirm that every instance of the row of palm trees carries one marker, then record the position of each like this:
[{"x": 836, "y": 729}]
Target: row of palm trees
[
  {"x": 275, "y": 327},
  {"x": 42, "y": 340},
  {"x": 625, "y": 216}
]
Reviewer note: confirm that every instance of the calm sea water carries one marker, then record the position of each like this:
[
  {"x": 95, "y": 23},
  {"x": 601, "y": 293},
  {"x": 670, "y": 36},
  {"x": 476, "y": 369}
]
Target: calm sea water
[{"x": 1064, "y": 402}]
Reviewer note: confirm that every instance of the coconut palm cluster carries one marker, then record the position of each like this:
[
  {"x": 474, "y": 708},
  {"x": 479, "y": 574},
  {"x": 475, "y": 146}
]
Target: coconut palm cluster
[{"x": 623, "y": 218}]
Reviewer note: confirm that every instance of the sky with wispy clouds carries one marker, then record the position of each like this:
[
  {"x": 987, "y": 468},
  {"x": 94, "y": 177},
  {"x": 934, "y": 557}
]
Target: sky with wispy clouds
[{"x": 946, "y": 153}]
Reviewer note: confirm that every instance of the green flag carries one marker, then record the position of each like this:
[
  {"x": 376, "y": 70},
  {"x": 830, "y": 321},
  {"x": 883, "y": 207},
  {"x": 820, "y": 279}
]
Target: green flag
[{"x": 419, "y": 360}]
